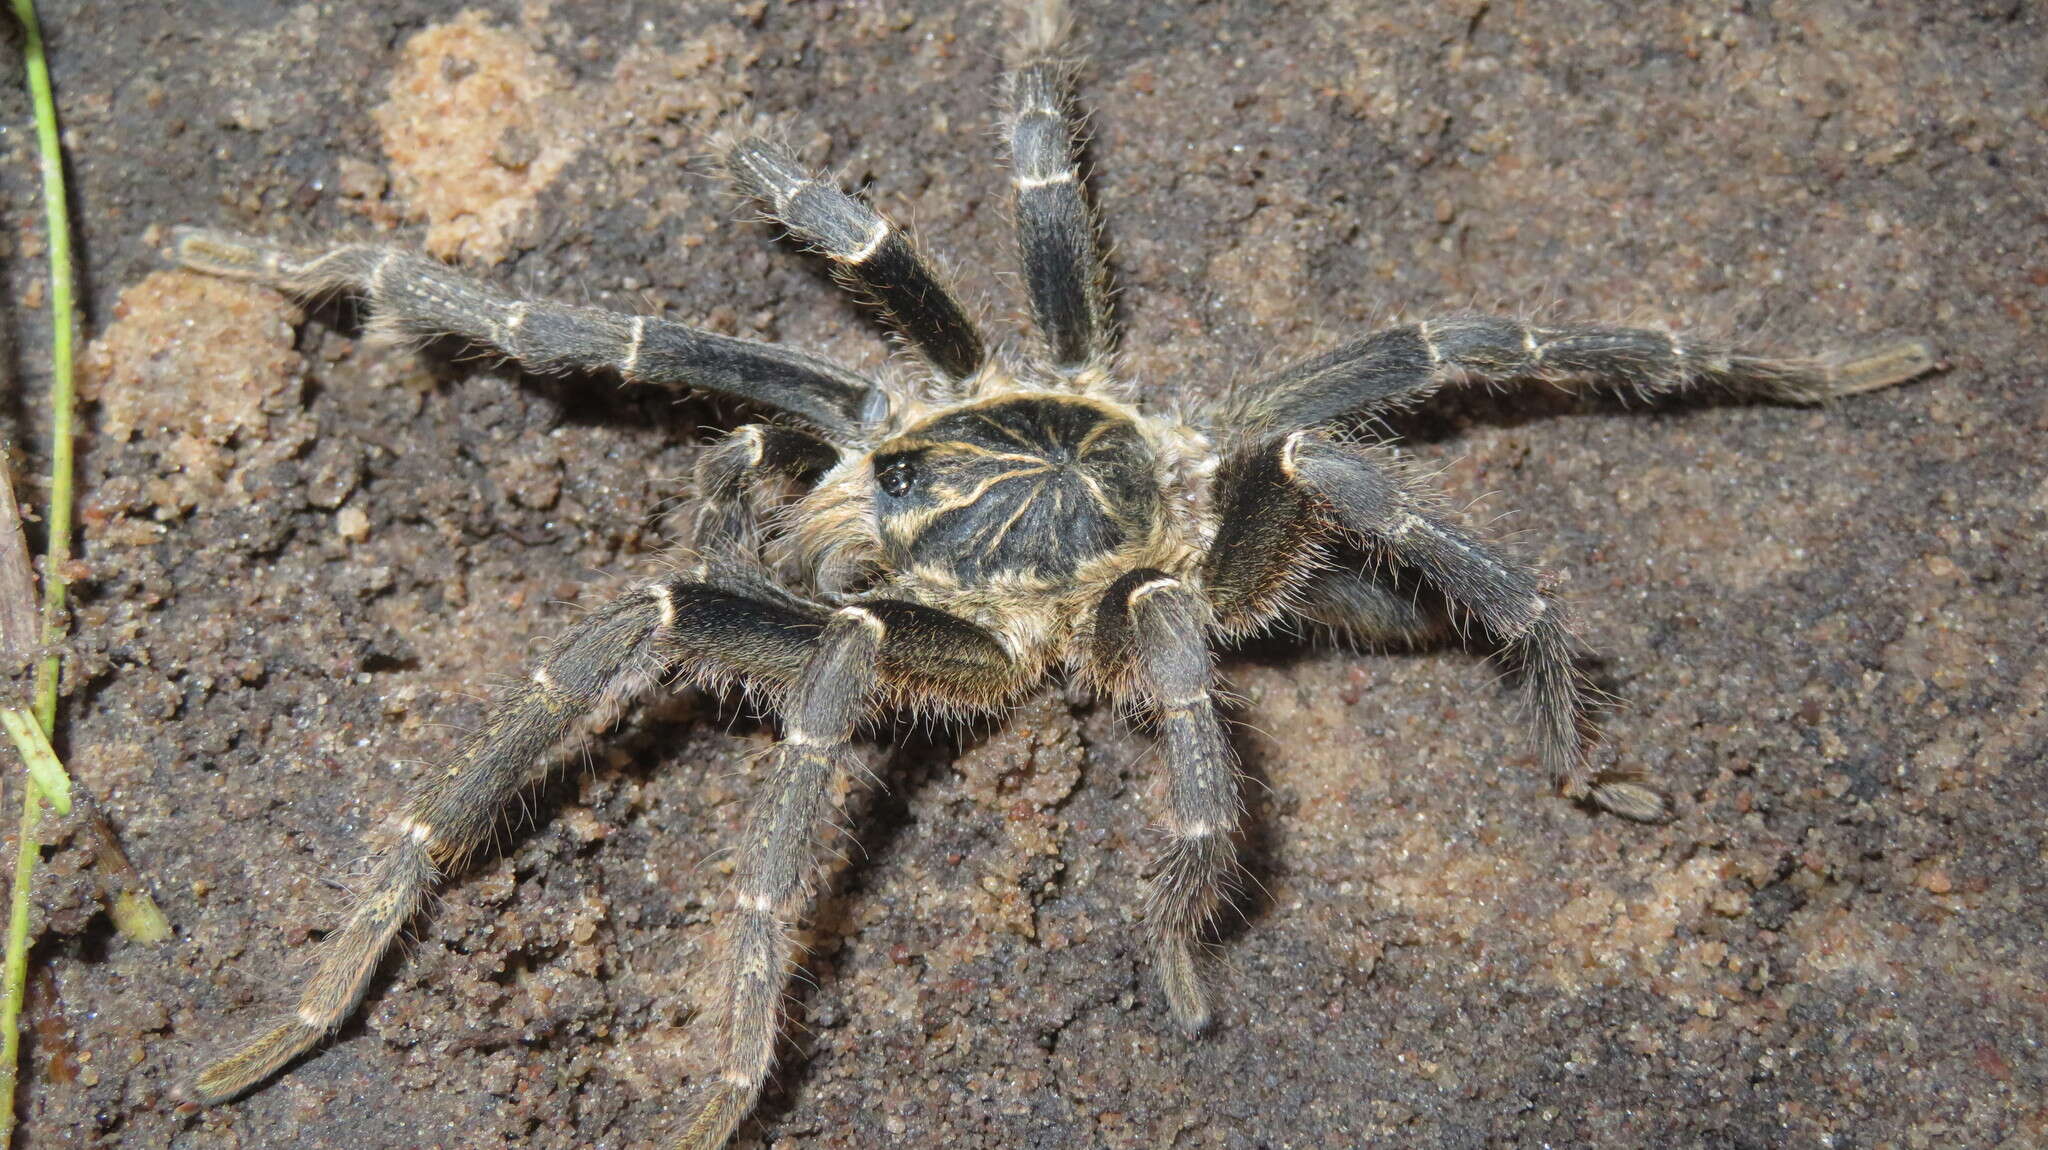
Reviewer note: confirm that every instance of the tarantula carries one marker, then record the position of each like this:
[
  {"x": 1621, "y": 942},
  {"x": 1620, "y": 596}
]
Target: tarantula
[{"x": 944, "y": 545}]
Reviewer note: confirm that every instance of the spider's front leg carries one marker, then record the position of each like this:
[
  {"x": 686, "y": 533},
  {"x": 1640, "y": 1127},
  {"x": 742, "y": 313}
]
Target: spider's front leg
[
  {"x": 1285, "y": 499},
  {"x": 874, "y": 258},
  {"x": 413, "y": 297},
  {"x": 880, "y": 650},
  {"x": 679, "y": 623},
  {"x": 1151, "y": 646},
  {"x": 1056, "y": 233}
]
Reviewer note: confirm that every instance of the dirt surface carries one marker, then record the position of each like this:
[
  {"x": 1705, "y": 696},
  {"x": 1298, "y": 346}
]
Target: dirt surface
[{"x": 308, "y": 557}]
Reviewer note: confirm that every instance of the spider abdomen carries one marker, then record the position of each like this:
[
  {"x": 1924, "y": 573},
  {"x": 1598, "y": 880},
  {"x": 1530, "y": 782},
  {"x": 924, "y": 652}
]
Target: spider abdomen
[{"x": 1030, "y": 486}]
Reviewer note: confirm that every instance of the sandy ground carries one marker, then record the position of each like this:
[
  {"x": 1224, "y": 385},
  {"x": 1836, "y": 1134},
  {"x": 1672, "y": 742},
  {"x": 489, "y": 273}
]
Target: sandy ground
[{"x": 307, "y": 558}]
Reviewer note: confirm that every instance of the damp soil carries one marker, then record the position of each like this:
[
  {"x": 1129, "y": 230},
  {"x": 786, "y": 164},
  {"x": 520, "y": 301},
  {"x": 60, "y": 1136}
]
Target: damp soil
[{"x": 306, "y": 559}]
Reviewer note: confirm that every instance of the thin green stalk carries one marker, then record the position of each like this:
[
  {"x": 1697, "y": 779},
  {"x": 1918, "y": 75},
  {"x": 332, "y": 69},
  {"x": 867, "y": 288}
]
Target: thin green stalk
[
  {"x": 56, "y": 560},
  {"x": 15, "y": 971}
]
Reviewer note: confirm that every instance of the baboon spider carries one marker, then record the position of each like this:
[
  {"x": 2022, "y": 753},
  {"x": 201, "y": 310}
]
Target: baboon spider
[{"x": 946, "y": 544}]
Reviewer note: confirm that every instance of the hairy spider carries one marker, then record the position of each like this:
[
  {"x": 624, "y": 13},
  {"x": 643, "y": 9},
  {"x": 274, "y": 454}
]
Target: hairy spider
[{"x": 945, "y": 544}]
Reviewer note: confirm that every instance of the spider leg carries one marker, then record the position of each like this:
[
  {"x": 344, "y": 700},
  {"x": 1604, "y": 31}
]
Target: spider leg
[
  {"x": 733, "y": 501},
  {"x": 1283, "y": 500},
  {"x": 1352, "y": 602},
  {"x": 678, "y": 623},
  {"x": 1056, "y": 234},
  {"x": 871, "y": 256},
  {"x": 1271, "y": 544},
  {"x": 410, "y": 295},
  {"x": 1367, "y": 493},
  {"x": 869, "y": 649},
  {"x": 1150, "y": 640},
  {"x": 1272, "y": 556},
  {"x": 1400, "y": 366}
]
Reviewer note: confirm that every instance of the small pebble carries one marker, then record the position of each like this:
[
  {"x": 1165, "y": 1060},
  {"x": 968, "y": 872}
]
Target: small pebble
[{"x": 351, "y": 524}]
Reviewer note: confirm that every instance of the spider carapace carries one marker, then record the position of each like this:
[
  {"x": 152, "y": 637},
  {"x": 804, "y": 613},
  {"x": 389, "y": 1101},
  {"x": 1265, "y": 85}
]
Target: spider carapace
[
  {"x": 1026, "y": 488},
  {"x": 942, "y": 541}
]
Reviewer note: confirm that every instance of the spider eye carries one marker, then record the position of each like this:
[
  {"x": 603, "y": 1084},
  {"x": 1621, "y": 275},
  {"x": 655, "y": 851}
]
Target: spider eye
[{"x": 896, "y": 476}]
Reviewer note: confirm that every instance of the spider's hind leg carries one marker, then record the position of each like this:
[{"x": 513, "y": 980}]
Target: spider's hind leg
[
  {"x": 704, "y": 629},
  {"x": 866, "y": 652},
  {"x": 776, "y": 871},
  {"x": 1151, "y": 644},
  {"x": 1357, "y": 606},
  {"x": 1286, "y": 502},
  {"x": 609, "y": 655},
  {"x": 1367, "y": 494}
]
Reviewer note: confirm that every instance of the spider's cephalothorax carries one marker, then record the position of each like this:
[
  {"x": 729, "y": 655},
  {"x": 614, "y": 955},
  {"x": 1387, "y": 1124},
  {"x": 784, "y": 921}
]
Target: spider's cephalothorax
[
  {"x": 956, "y": 541},
  {"x": 1028, "y": 488}
]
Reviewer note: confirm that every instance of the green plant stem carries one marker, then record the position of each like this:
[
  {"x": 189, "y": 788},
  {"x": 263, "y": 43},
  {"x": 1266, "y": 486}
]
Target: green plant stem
[
  {"x": 57, "y": 556},
  {"x": 15, "y": 971}
]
